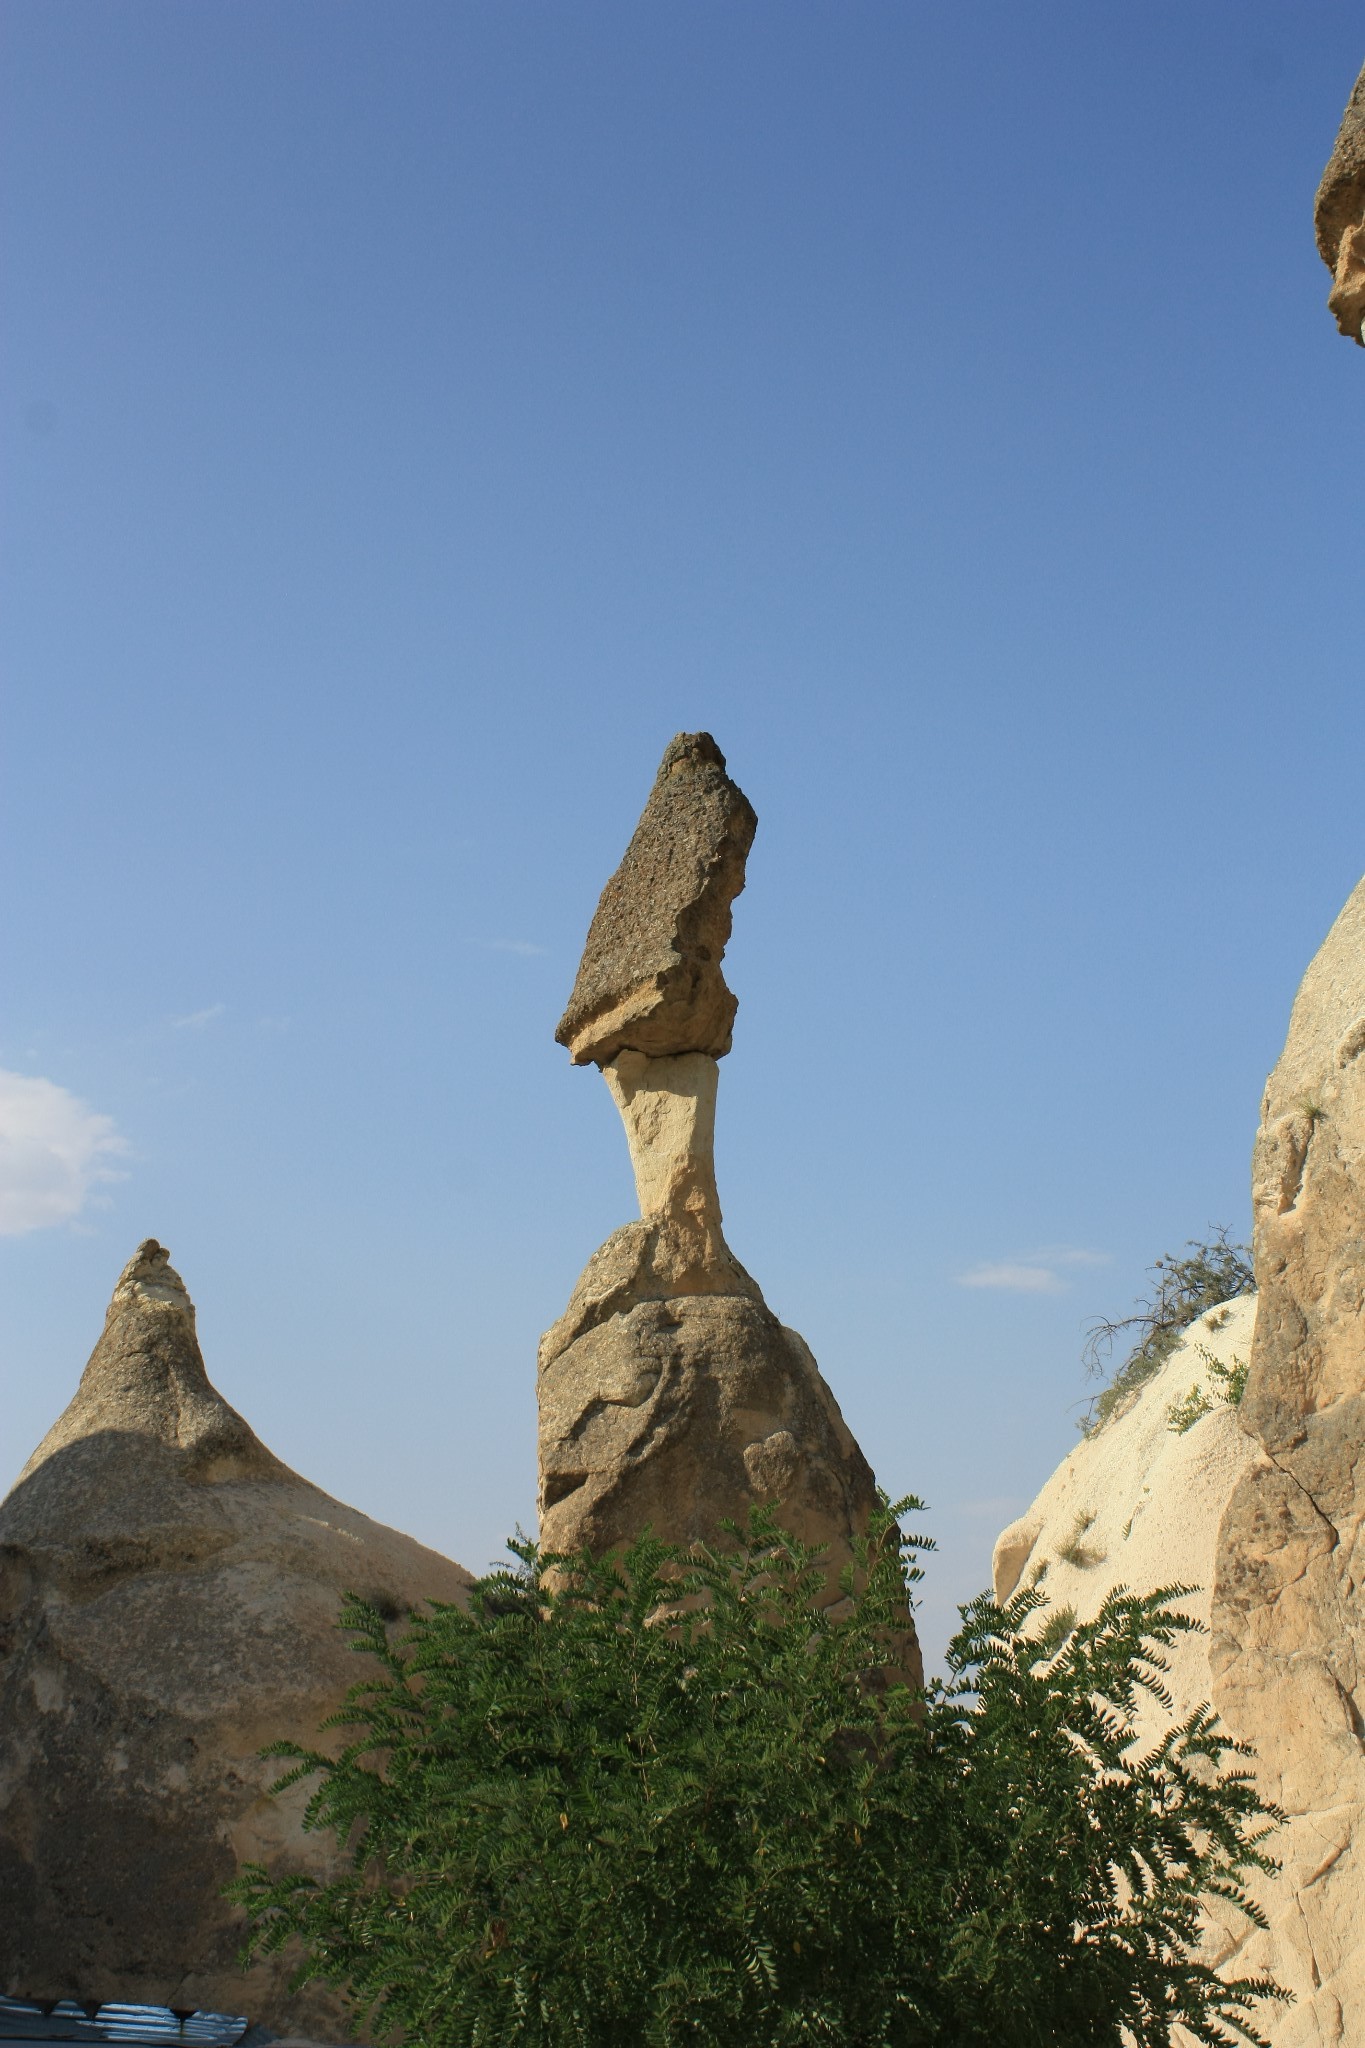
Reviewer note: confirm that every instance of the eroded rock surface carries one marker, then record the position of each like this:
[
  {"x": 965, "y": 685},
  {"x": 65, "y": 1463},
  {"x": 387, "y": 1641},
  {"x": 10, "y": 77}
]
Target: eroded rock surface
[
  {"x": 1339, "y": 216},
  {"x": 168, "y": 1598},
  {"x": 670, "y": 1395},
  {"x": 1289, "y": 1631},
  {"x": 650, "y": 979},
  {"x": 676, "y": 1411}
]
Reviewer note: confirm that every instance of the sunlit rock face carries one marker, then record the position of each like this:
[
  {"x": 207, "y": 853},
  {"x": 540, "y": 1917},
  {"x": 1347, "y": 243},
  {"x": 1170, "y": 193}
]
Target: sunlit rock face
[
  {"x": 1339, "y": 216},
  {"x": 1288, "y": 1644},
  {"x": 669, "y": 1393},
  {"x": 169, "y": 1592}
]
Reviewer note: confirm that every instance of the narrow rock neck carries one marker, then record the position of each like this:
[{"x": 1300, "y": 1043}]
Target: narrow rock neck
[{"x": 668, "y": 1107}]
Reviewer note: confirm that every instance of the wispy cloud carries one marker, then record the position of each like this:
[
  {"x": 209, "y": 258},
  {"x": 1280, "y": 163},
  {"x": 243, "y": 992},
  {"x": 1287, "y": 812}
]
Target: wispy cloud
[
  {"x": 1040, "y": 1272},
  {"x": 197, "y": 1019},
  {"x": 54, "y": 1152},
  {"x": 1013, "y": 1279},
  {"x": 522, "y": 946}
]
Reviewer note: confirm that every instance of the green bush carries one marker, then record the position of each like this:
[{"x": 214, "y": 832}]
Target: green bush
[
  {"x": 679, "y": 1802},
  {"x": 1227, "y": 1383},
  {"x": 1184, "y": 1287}
]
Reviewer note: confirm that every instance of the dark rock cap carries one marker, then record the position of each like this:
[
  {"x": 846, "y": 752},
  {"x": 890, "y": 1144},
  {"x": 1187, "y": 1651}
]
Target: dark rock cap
[{"x": 650, "y": 978}]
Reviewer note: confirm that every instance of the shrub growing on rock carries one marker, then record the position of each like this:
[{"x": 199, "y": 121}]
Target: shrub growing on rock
[
  {"x": 1185, "y": 1285},
  {"x": 676, "y": 1801}
]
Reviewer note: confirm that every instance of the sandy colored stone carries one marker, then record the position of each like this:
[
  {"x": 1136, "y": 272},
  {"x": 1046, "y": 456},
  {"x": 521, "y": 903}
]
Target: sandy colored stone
[
  {"x": 650, "y": 978},
  {"x": 1289, "y": 1634},
  {"x": 679, "y": 1412},
  {"x": 1339, "y": 217},
  {"x": 168, "y": 1598}
]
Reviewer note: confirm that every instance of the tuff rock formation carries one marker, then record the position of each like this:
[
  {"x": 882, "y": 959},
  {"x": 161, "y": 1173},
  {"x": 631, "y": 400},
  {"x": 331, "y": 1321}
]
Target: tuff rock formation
[
  {"x": 168, "y": 1602},
  {"x": 1288, "y": 1646},
  {"x": 669, "y": 1392},
  {"x": 1339, "y": 216}
]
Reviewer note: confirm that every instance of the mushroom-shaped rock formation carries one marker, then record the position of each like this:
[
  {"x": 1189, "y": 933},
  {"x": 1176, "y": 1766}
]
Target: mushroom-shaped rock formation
[
  {"x": 1288, "y": 1643},
  {"x": 669, "y": 1392},
  {"x": 169, "y": 1593},
  {"x": 1339, "y": 216}
]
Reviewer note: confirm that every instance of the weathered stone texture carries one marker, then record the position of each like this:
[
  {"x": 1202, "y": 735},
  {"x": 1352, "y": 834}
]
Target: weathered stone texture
[
  {"x": 1339, "y": 216},
  {"x": 1288, "y": 1628},
  {"x": 676, "y": 1411},
  {"x": 168, "y": 1600},
  {"x": 650, "y": 978}
]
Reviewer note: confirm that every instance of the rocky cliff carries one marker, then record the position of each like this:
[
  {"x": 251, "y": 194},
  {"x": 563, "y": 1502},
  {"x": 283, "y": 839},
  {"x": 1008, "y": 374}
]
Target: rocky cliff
[
  {"x": 1288, "y": 1632},
  {"x": 1262, "y": 1508},
  {"x": 169, "y": 1592}
]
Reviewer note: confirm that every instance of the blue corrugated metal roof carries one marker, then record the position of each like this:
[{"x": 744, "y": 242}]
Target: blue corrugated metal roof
[{"x": 70, "y": 2019}]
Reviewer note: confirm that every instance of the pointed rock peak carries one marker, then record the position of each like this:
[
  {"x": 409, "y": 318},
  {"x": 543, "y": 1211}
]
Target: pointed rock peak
[
  {"x": 146, "y": 1378},
  {"x": 650, "y": 978},
  {"x": 149, "y": 1276}
]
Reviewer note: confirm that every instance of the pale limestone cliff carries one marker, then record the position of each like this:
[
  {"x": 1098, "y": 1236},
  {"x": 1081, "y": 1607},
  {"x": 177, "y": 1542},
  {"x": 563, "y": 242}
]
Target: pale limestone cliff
[
  {"x": 169, "y": 1592},
  {"x": 1138, "y": 1504},
  {"x": 1263, "y": 1508}
]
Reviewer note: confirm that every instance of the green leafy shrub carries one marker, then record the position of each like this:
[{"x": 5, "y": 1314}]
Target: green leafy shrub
[
  {"x": 1232, "y": 1378},
  {"x": 1184, "y": 1287},
  {"x": 676, "y": 1803},
  {"x": 1229, "y": 1385},
  {"x": 1183, "y": 1414}
]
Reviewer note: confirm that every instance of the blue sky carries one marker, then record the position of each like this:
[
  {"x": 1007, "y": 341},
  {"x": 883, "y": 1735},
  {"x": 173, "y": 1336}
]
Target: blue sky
[{"x": 412, "y": 418}]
